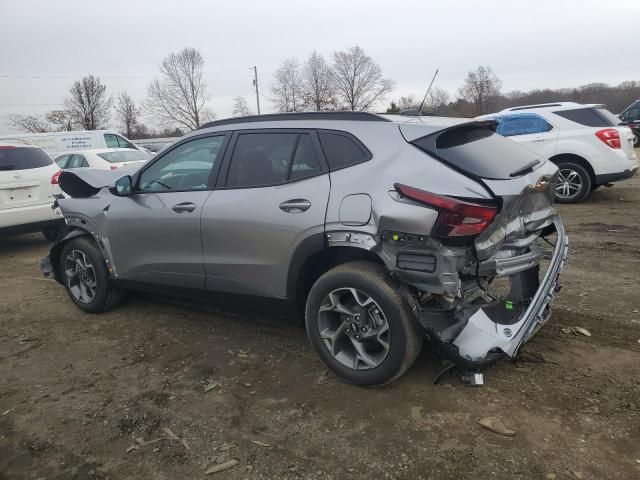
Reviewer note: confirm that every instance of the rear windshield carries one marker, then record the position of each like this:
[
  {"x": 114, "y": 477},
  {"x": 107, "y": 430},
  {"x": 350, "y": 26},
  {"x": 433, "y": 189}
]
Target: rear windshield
[
  {"x": 591, "y": 116},
  {"x": 479, "y": 151},
  {"x": 117, "y": 157},
  {"x": 22, "y": 158}
]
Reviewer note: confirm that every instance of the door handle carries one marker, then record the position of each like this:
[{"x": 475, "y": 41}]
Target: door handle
[
  {"x": 184, "y": 207},
  {"x": 540, "y": 139},
  {"x": 296, "y": 205}
]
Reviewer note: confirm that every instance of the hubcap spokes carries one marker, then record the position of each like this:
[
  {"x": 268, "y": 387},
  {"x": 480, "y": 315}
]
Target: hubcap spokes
[
  {"x": 80, "y": 276},
  {"x": 569, "y": 183},
  {"x": 354, "y": 329}
]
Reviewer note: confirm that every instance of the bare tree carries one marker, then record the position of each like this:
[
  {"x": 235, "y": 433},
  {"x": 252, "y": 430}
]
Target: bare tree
[
  {"x": 180, "y": 95},
  {"x": 436, "y": 99},
  {"x": 127, "y": 113},
  {"x": 286, "y": 90},
  {"x": 28, "y": 123},
  {"x": 358, "y": 79},
  {"x": 88, "y": 103},
  {"x": 410, "y": 102},
  {"x": 60, "y": 120},
  {"x": 318, "y": 88},
  {"x": 480, "y": 88},
  {"x": 240, "y": 107}
]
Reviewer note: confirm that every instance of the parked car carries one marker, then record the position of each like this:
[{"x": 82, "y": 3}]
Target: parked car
[
  {"x": 55, "y": 143},
  {"x": 104, "y": 159},
  {"x": 27, "y": 192},
  {"x": 631, "y": 116},
  {"x": 588, "y": 143},
  {"x": 384, "y": 229},
  {"x": 154, "y": 145}
]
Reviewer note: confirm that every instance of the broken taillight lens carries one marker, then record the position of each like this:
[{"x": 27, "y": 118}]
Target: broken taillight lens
[
  {"x": 456, "y": 218},
  {"x": 610, "y": 136},
  {"x": 56, "y": 177}
]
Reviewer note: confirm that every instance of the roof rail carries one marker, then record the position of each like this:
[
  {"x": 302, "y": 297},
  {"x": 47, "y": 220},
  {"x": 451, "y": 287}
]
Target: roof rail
[
  {"x": 542, "y": 105},
  {"x": 275, "y": 117}
]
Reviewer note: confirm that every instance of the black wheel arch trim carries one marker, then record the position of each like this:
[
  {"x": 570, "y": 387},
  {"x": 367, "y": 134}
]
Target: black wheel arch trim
[{"x": 56, "y": 251}]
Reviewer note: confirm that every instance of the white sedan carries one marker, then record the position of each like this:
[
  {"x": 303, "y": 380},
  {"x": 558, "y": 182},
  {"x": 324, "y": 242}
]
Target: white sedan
[{"x": 103, "y": 159}]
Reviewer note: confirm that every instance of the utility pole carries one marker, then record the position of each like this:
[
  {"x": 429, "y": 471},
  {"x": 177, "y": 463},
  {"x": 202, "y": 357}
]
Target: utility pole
[{"x": 255, "y": 83}]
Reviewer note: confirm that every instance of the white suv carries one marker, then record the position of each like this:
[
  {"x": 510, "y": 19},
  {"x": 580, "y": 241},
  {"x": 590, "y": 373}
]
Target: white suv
[
  {"x": 28, "y": 183},
  {"x": 586, "y": 142}
]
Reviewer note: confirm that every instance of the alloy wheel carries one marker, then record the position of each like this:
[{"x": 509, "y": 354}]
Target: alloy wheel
[
  {"x": 569, "y": 184},
  {"x": 354, "y": 329},
  {"x": 80, "y": 276}
]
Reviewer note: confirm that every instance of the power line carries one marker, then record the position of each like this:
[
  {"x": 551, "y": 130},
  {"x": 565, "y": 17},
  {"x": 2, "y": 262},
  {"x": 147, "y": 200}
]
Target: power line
[{"x": 67, "y": 77}]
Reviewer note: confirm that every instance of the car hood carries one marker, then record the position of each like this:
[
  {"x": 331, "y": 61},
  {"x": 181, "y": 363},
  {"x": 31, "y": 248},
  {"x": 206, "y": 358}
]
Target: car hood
[{"x": 86, "y": 182}]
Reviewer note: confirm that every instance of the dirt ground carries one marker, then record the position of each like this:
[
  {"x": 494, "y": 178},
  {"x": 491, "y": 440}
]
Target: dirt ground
[{"x": 84, "y": 397}]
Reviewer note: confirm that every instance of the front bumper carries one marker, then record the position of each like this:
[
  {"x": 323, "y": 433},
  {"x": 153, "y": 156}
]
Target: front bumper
[{"x": 481, "y": 335}]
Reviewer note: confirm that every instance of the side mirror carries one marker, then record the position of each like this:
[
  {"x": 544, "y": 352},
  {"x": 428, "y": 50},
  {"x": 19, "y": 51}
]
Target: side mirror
[{"x": 123, "y": 187}]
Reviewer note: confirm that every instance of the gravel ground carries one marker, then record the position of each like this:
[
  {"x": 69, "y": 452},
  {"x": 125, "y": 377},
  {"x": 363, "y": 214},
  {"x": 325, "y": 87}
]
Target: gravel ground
[{"x": 122, "y": 395}]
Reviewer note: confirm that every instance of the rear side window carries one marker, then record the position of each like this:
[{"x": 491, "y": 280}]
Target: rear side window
[
  {"x": 22, "y": 158},
  {"x": 62, "y": 161},
  {"x": 263, "y": 159},
  {"x": 590, "y": 117},
  {"x": 77, "y": 161},
  {"x": 342, "y": 150},
  {"x": 522, "y": 124},
  {"x": 124, "y": 156},
  {"x": 478, "y": 151}
]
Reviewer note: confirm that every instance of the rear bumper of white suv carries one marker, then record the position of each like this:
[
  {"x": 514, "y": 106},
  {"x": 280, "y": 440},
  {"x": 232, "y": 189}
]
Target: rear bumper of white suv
[
  {"x": 605, "y": 178},
  {"x": 21, "y": 218}
]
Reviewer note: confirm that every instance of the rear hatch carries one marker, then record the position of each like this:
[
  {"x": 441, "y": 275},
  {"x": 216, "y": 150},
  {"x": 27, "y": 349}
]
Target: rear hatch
[
  {"x": 601, "y": 119},
  {"x": 521, "y": 181},
  {"x": 25, "y": 177}
]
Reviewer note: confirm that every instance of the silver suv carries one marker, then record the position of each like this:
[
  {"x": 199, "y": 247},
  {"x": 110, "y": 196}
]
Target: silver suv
[{"x": 386, "y": 229}]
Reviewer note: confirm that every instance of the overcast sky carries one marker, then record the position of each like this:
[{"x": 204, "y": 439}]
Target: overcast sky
[{"x": 529, "y": 44}]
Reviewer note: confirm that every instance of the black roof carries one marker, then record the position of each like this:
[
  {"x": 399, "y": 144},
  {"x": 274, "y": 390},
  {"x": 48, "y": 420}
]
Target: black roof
[{"x": 274, "y": 117}]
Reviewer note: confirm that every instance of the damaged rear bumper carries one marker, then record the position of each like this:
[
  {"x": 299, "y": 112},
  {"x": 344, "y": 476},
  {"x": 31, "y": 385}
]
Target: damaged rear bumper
[{"x": 482, "y": 335}]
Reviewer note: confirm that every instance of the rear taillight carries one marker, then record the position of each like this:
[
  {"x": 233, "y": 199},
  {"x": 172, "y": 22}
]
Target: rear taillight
[
  {"x": 610, "y": 136},
  {"x": 56, "y": 177},
  {"x": 114, "y": 167},
  {"x": 6, "y": 147},
  {"x": 457, "y": 218}
]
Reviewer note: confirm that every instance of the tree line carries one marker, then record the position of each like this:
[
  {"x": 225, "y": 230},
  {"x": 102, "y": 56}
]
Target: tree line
[{"x": 349, "y": 80}]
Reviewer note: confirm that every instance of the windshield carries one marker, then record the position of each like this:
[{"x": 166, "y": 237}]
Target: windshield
[
  {"x": 479, "y": 151},
  {"x": 128, "y": 156},
  {"x": 21, "y": 158}
]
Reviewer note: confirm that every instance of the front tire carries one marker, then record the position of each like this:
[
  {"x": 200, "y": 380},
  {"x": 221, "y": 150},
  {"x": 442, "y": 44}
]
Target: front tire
[
  {"x": 53, "y": 233},
  {"x": 360, "y": 325},
  {"x": 574, "y": 183},
  {"x": 85, "y": 277}
]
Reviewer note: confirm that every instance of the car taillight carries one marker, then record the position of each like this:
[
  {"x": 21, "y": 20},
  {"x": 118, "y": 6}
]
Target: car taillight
[
  {"x": 610, "y": 136},
  {"x": 113, "y": 167},
  {"x": 56, "y": 177},
  {"x": 457, "y": 218}
]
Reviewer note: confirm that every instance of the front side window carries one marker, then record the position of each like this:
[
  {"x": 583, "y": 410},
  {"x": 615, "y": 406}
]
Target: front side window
[
  {"x": 633, "y": 115},
  {"x": 341, "y": 150},
  {"x": 124, "y": 143},
  {"x": 186, "y": 167},
  {"x": 111, "y": 140}
]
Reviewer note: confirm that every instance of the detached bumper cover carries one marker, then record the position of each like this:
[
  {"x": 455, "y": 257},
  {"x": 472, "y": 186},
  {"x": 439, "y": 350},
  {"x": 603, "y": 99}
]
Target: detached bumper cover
[{"x": 481, "y": 334}]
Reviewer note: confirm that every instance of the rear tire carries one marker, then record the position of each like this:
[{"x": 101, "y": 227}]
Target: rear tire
[
  {"x": 574, "y": 183},
  {"x": 85, "y": 277},
  {"x": 360, "y": 325}
]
